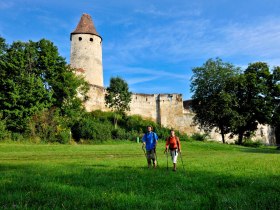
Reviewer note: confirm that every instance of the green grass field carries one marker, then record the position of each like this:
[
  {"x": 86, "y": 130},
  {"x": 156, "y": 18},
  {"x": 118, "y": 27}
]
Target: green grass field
[{"x": 114, "y": 176}]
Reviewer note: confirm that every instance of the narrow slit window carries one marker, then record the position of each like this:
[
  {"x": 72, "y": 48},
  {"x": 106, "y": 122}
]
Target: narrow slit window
[
  {"x": 91, "y": 39},
  {"x": 80, "y": 38}
]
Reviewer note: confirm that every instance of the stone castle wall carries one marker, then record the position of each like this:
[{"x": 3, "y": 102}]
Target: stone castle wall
[
  {"x": 165, "y": 109},
  {"x": 168, "y": 110}
]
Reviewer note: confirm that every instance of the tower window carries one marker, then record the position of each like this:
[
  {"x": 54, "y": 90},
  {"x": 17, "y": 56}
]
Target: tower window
[
  {"x": 91, "y": 39},
  {"x": 80, "y": 38}
]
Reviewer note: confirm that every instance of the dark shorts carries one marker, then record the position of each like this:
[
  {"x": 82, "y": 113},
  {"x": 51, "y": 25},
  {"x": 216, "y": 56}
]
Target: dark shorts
[{"x": 150, "y": 154}]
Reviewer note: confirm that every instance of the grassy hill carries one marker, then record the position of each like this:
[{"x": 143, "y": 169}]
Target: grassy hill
[{"x": 114, "y": 176}]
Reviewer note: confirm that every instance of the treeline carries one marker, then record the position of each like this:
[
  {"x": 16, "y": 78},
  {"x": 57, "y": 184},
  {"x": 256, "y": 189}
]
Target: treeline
[
  {"x": 233, "y": 101},
  {"x": 39, "y": 100},
  {"x": 38, "y": 92}
]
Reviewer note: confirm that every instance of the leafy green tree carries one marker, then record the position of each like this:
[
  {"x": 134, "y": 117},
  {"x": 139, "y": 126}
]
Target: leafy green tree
[
  {"x": 118, "y": 97},
  {"x": 211, "y": 102},
  {"x": 275, "y": 94},
  {"x": 252, "y": 102},
  {"x": 33, "y": 78},
  {"x": 22, "y": 93}
]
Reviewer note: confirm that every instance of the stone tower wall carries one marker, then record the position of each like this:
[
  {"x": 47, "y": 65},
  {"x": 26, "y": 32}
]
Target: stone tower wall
[{"x": 86, "y": 57}]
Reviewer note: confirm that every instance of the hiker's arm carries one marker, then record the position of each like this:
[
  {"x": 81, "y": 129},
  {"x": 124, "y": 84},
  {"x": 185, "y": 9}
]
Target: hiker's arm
[{"x": 144, "y": 140}]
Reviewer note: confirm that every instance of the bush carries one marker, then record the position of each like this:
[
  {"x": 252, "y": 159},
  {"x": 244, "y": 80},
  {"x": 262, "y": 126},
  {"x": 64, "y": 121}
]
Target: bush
[
  {"x": 99, "y": 125},
  {"x": 64, "y": 136},
  {"x": 251, "y": 143},
  {"x": 90, "y": 128},
  {"x": 137, "y": 123},
  {"x": 4, "y": 133},
  {"x": 17, "y": 137},
  {"x": 120, "y": 134},
  {"x": 133, "y": 135},
  {"x": 46, "y": 126},
  {"x": 199, "y": 137},
  {"x": 183, "y": 137}
]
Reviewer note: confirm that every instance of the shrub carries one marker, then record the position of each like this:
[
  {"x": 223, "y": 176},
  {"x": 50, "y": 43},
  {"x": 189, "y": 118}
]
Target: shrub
[
  {"x": 4, "y": 133},
  {"x": 120, "y": 134},
  {"x": 133, "y": 135},
  {"x": 90, "y": 128},
  {"x": 183, "y": 137},
  {"x": 137, "y": 123},
  {"x": 17, "y": 137},
  {"x": 46, "y": 126},
  {"x": 64, "y": 136},
  {"x": 199, "y": 137},
  {"x": 99, "y": 125},
  {"x": 251, "y": 143}
]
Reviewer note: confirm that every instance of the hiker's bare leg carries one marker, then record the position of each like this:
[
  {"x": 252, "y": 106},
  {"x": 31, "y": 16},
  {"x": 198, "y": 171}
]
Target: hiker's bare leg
[
  {"x": 154, "y": 163},
  {"x": 149, "y": 163},
  {"x": 174, "y": 166}
]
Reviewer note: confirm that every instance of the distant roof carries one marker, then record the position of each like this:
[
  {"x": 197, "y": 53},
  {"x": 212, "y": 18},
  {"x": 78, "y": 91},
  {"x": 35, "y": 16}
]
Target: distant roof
[{"x": 85, "y": 26}]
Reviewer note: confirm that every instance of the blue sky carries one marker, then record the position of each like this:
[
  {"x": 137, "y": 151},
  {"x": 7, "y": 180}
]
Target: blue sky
[{"x": 154, "y": 44}]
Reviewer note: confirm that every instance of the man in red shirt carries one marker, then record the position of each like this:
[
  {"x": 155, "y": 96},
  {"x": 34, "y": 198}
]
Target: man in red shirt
[{"x": 174, "y": 146}]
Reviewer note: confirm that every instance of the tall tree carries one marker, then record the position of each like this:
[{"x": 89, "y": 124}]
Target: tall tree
[
  {"x": 118, "y": 97},
  {"x": 34, "y": 77},
  {"x": 275, "y": 94},
  {"x": 211, "y": 102},
  {"x": 252, "y": 101}
]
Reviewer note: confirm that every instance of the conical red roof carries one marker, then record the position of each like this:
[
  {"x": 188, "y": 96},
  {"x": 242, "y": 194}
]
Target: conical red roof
[{"x": 85, "y": 26}]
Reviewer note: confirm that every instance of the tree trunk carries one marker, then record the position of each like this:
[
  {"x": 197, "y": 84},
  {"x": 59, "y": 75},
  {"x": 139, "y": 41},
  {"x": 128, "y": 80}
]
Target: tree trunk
[
  {"x": 223, "y": 134},
  {"x": 240, "y": 137}
]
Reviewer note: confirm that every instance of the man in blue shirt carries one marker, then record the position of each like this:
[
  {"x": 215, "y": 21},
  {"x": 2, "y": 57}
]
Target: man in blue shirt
[{"x": 150, "y": 142}]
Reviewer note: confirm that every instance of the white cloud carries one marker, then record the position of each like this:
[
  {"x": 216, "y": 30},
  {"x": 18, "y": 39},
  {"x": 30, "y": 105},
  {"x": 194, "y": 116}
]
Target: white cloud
[
  {"x": 151, "y": 74},
  {"x": 137, "y": 80},
  {"x": 181, "y": 40}
]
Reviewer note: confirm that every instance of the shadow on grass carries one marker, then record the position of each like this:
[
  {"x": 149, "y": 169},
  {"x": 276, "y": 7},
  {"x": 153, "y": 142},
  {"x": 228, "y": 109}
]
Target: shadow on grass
[
  {"x": 34, "y": 186},
  {"x": 260, "y": 150}
]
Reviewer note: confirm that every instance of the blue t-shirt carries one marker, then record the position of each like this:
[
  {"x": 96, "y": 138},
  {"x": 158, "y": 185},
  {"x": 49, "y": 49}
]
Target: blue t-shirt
[{"x": 150, "y": 139}]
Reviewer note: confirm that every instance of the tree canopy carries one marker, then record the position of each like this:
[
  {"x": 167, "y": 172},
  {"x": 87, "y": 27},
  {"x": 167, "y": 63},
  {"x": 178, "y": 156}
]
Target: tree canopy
[
  {"x": 34, "y": 77},
  {"x": 118, "y": 96},
  {"x": 211, "y": 100},
  {"x": 233, "y": 101}
]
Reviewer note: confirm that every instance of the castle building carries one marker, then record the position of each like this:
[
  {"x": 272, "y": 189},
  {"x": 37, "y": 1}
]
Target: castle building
[
  {"x": 166, "y": 109},
  {"x": 86, "y": 51}
]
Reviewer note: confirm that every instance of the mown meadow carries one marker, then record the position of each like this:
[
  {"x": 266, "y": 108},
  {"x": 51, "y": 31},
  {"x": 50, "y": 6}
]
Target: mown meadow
[{"x": 115, "y": 176}]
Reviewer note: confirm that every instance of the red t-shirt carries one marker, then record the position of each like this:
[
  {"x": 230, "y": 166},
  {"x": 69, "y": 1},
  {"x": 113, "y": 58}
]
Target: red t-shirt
[{"x": 173, "y": 142}]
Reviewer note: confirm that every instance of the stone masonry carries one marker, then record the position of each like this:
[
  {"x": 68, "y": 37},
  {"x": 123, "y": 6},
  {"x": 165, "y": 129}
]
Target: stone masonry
[{"x": 166, "y": 109}]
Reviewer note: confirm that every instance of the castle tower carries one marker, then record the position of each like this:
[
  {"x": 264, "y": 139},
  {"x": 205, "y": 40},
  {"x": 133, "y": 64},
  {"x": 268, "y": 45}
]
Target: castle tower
[{"x": 86, "y": 51}]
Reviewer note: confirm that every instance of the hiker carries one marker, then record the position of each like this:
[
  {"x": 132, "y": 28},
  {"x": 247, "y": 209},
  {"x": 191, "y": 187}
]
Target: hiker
[
  {"x": 174, "y": 146},
  {"x": 149, "y": 140}
]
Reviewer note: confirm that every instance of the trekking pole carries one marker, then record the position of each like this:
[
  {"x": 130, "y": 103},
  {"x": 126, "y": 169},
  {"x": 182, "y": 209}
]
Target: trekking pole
[
  {"x": 166, "y": 160},
  {"x": 156, "y": 157},
  {"x": 144, "y": 151},
  {"x": 182, "y": 161}
]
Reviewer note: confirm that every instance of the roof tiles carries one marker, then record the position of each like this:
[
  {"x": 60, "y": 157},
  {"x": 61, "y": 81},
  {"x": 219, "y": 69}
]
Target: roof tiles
[{"x": 85, "y": 26}]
